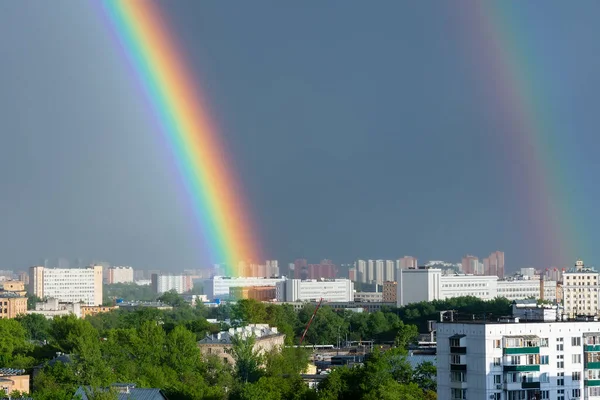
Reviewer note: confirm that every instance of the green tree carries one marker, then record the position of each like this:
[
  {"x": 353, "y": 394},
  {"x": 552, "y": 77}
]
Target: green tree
[
  {"x": 172, "y": 298},
  {"x": 32, "y": 301},
  {"x": 37, "y": 327},
  {"x": 13, "y": 341},
  {"x": 425, "y": 375},
  {"x": 247, "y": 360},
  {"x": 249, "y": 311}
]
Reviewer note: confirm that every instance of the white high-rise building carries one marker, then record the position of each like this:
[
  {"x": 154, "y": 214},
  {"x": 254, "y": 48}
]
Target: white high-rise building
[
  {"x": 370, "y": 271},
  {"x": 508, "y": 359},
  {"x": 272, "y": 268},
  {"x": 68, "y": 285},
  {"x": 581, "y": 290},
  {"x": 162, "y": 283},
  {"x": 339, "y": 290},
  {"x": 120, "y": 275},
  {"x": 361, "y": 270},
  {"x": 379, "y": 272},
  {"x": 390, "y": 271}
]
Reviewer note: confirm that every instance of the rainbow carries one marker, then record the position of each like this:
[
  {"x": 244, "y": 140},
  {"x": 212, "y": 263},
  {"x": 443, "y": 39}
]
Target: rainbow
[
  {"x": 516, "y": 92},
  {"x": 192, "y": 138}
]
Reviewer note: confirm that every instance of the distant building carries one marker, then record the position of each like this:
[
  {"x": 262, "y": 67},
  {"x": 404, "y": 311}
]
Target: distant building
[
  {"x": 13, "y": 380},
  {"x": 162, "y": 283},
  {"x": 259, "y": 293},
  {"x": 12, "y": 305},
  {"x": 55, "y": 308},
  {"x": 470, "y": 265},
  {"x": 17, "y": 287},
  {"x": 390, "y": 292},
  {"x": 120, "y": 275},
  {"x": 390, "y": 271},
  {"x": 407, "y": 262},
  {"x": 86, "y": 311},
  {"x": 68, "y": 284},
  {"x": 218, "y": 287},
  {"x": 494, "y": 264},
  {"x": 308, "y": 290},
  {"x": 368, "y": 297},
  {"x": 220, "y": 344},
  {"x": 361, "y": 271},
  {"x": 352, "y": 274}
]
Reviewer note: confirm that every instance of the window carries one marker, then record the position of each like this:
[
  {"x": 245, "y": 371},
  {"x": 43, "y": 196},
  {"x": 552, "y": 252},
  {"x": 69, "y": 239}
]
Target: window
[
  {"x": 561, "y": 394},
  {"x": 458, "y": 394},
  {"x": 497, "y": 343},
  {"x": 576, "y": 376},
  {"x": 515, "y": 360},
  {"x": 594, "y": 391},
  {"x": 544, "y": 394},
  {"x": 458, "y": 376},
  {"x": 497, "y": 361},
  {"x": 533, "y": 359},
  {"x": 545, "y": 360},
  {"x": 497, "y": 379},
  {"x": 560, "y": 347},
  {"x": 560, "y": 381},
  {"x": 497, "y": 396},
  {"x": 576, "y": 358},
  {"x": 544, "y": 342},
  {"x": 454, "y": 342},
  {"x": 576, "y": 393},
  {"x": 560, "y": 364},
  {"x": 454, "y": 359},
  {"x": 575, "y": 341}
]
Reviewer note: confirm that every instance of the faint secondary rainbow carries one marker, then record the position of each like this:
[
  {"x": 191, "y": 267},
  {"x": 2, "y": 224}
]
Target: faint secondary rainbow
[
  {"x": 193, "y": 139},
  {"x": 516, "y": 89}
]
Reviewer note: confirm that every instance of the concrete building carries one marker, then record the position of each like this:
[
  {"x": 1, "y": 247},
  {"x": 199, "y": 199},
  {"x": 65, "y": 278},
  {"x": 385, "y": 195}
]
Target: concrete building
[
  {"x": 259, "y": 293},
  {"x": 120, "y": 275},
  {"x": 17, "y": 287},
  {"x": 55, "y": 308},
  {"x": 390, "y": 294},
  {"x": 72, "y": 285},
  {"x": 581, "y": 292},
  {"x": 470, "y": 264},
  {"x": 361, "y": 271},
  {"x": 508, "y": 359},
  {"x": 220, "y": 344},
  {"x": 368, "y": 297},
  {"x": 218, "y": 287},
  {"x": 13, "y": 380},
  {"x": 418, "y": 285},
  {"x": 341, "y": 290},
  {"x": 162, "y": 283},
  {"x": 407, "y": 262},
  {"x": 370, "y": 271},
  {"x": 390, "y": 271},
  {"x": 12, "y": 305}
]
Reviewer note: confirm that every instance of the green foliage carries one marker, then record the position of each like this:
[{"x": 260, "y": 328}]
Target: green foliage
[
  {"x": 37, "y": 327},
  {"x": 128, "y": 291},
  {"x": 248, "y": 361},
  {"x": 172, "y": 298},
  {"x": 31, "y": 302}
]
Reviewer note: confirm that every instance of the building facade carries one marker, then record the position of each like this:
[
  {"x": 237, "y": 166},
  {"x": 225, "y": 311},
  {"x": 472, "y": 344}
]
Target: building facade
[
  {"x": 258, "y": 293},
  {"x": 162, "y": 283},
  {"x": 407, "y": 262},
  {"x": 12, "y": 305},
  {"x": 293, "y": 290},
  {"x": 219, "y": 286},
  {"x": 390, "y": 294},
  {"x": 120, "y": 275},
  {"x": 512, "y": 360},
  {"x": 72, "y": 285},
  {"x": 581, "y": 290}
]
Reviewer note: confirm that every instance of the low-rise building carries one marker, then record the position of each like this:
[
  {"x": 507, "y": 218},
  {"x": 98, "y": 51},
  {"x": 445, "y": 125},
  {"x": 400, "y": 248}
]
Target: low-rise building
[
  {"x": 368, "y": 297},
  {"x": 220, "y": 344},
  {"x": 124, "y": 391},
  {"x": 119, "y": 275},
  {"x": 86, "y": 311},
  {"x": 12, "y": 304},
  {"x": 259, "y": 293},
  {"x": 55, "y": 308},
  {"x": 218, "y": 287},
  {"x": 17, "y": 287},
  {"x": 13, "y": 380},
  {"x": 341, "y": 290}
]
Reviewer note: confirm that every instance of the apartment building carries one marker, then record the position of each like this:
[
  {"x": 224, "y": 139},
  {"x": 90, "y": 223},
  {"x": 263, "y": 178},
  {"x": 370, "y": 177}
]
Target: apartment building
[
  {"x": 12, "y": 305},
  {"x": 162, "y": 283},
  {"x": 219, "y": 287},
  {"x": 508, "y": 359},
  {"x": 390, "y": 294},
  {"x": 581, "y": 292},
  {"x": 119, "y": 275},
  {"x": 69, "y": 285}
]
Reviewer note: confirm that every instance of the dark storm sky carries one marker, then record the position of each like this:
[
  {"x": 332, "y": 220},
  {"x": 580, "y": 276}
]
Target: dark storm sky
[{"x": 358, "y": 130}]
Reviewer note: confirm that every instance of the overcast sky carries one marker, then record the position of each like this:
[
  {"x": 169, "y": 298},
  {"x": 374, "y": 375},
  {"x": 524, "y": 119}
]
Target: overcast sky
[{"x": 359, "y": 130}]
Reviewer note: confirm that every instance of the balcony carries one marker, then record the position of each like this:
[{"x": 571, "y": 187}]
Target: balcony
[
  {"x": 530, "y": 385},
  {"x": 592, "y": 347},
  {"x": 521, "y": 350},
  {"x": 519, "y": 368},
  {"x": 458, "y": 350},
  {"x": 592, "y": 382},
  {"x": 592, "y": 365},
  {"x": 459, "y": 367}
]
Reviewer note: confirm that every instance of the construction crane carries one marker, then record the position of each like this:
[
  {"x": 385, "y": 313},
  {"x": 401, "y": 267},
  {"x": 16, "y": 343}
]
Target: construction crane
[{"x": 310, "y": 321}]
